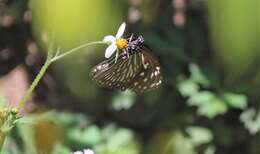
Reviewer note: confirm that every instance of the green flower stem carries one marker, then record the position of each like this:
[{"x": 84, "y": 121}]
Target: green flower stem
[
  {"x": 47, "y": 63},
  {"x": 34, "y": 83},
  {"x": 2, "y": 139},
  {"x": 75, "y": 49}
]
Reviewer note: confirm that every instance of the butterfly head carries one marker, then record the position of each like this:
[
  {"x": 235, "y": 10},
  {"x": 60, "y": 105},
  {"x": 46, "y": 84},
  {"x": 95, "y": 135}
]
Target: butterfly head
[
  {"x": 131, "y": 44},
  {"x": 135, "y": 44}
]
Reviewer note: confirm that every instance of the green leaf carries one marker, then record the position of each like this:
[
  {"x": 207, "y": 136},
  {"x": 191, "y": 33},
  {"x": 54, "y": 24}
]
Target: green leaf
[
  {"x": 170, "y": 142},
  {"x": 91, "y": 135},
  {"x": 27, "y": 136},
  {"x": 60, "y": 149},
  {"x": 117, "y": 141},
  {"x": 251, "y": 120},
  {"x": 198, "y": 76},
  {"x": 236, "y": 100},
  {"x": 67, "y": 119},
  {"x": 210, "y": 150},
  {"x": 123, "y": 100},
  {"x": 199, "y": 135},
  {"x": 9, "y": 146},
  {"x": 181, "y": 144},
  {"x": 74, "y": 135},
  {"x": 208, "y": 104},
  {"x": 213, "y": 108},
  {"x": 200, "y": 98},
  {"x": 188, "y": 88}
]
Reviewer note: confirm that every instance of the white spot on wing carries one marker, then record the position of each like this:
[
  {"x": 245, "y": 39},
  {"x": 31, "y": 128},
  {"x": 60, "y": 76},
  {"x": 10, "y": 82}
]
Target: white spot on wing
[
  {"x": 99, "y": 67},
  {"x": 151, "y": 76},
  {"x": 146, "y": 65}
]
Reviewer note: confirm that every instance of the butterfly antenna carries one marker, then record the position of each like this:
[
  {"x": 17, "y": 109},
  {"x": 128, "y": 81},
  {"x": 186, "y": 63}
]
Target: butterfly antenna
[
  {"x": 143, "y": 60},
  {"x": 117, "y": 52},
  {"x": 131, "y": 37}
]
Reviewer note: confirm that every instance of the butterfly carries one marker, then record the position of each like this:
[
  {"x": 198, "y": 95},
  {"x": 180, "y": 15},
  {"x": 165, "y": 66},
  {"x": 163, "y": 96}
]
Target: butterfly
[{"x": 135, "y": 68}]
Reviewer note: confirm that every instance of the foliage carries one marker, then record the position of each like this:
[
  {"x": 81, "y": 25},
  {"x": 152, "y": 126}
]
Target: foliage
[
  {"x": 209, "y": 103},
  {"x": 77, "y": 133},
  {"x": 251, "y": 120},
  {"x": 177, "y": 142},
  {"x": 123, "y": 100}
]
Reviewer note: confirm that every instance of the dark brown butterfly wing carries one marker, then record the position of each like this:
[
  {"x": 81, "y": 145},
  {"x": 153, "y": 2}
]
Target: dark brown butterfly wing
[
  {"x": 139, "y": 72},
  {"x": 150, "y": 76},
  {"x": 117, "y": 75}
]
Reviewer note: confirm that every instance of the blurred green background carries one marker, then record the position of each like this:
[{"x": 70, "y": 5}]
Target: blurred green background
[{"x": 208, "y": 102}]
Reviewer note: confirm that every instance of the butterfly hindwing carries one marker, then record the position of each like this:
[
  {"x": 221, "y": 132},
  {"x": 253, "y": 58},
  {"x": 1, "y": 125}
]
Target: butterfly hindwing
[{"x": 150, "y": 75}]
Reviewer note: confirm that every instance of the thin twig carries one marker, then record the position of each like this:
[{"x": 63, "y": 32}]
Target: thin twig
[{"x": 75, "y": 49}]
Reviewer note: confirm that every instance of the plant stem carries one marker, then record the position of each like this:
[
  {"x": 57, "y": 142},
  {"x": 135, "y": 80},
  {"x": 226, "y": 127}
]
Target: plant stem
[
  {"x": 2, "y": 140},
  {"x": 34, "y": 83},
  {"x": 75, "y": 49},
  {"x": 48, "y": 61}
]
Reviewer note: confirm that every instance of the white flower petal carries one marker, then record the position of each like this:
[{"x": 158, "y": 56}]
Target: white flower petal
[
  {"x": 77, "y": 152},
  {"x": 109, "y": 39},
  {"x": 88, "y": 151},
  {"x": 110, "y": 50},
  {"x": 121, "y": 30}
]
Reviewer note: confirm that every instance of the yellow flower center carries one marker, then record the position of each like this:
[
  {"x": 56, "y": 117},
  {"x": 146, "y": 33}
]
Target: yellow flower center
[{"x": 121, "y": 43}]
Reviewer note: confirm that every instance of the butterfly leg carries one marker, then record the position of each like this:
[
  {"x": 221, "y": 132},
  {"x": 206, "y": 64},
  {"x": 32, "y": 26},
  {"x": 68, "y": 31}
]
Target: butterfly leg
[
  {"x": 117, "y": 52},
  {"x": 143, "y": 60},
  {"x": 131, "y": 37}
]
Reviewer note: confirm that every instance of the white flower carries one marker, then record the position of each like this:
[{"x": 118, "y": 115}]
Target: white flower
[
  {"x": 85, "y": 151},
  {"x": 88, "y": 151},
  {"x": 77, "y": 152},
  {"x": 115, "y": 42}
]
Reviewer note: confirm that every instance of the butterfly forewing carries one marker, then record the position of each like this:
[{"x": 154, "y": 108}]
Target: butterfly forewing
[{"x": 119, "y": 74}]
